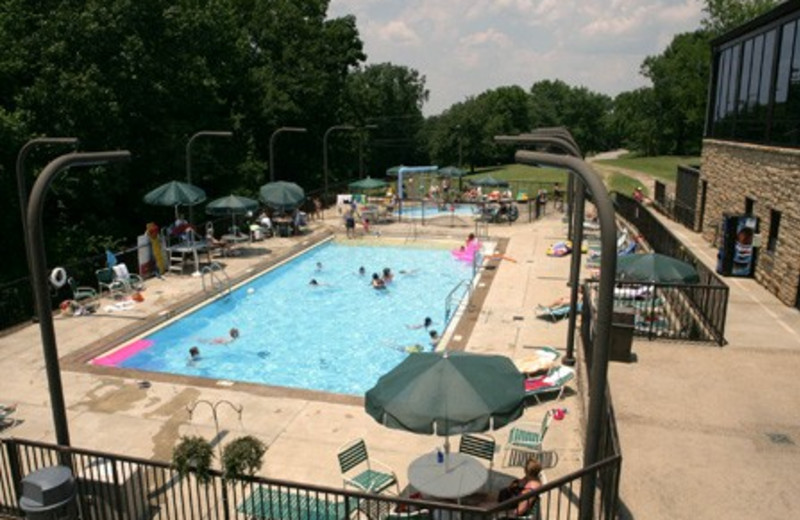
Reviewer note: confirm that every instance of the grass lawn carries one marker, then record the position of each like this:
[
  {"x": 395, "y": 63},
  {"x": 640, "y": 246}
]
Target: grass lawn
[
  {"x": 521, "y": 172},
  {"x": 662, "y": 167},
  {"x": 621, "y": 183}
]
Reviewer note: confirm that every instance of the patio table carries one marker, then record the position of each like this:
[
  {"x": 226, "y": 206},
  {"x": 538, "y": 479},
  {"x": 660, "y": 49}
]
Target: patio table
[{"x": 458, "y": 476}]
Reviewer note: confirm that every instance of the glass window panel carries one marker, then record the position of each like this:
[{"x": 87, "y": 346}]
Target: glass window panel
[
  {"x": 719, "y": 101},
  {"x": 723, "y": 83},
  {"x": 784, "y": 63},
  {"x": 744, "y": 84},
  {"x": 766, "y": 68},
  {"x": 755, "y": 70}
]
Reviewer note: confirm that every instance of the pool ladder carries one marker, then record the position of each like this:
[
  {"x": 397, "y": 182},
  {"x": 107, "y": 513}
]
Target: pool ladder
[{"x": 217, "y": 283}]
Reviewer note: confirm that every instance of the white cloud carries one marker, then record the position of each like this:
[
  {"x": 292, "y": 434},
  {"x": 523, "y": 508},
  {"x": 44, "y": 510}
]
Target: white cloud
[{"x": 465, "y": 48}]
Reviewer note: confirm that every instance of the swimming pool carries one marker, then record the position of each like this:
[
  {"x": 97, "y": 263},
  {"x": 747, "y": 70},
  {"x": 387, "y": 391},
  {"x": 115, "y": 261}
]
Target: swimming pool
[
  {"x": 432, "y": 210},
  {"x": 337, "y": 337}
]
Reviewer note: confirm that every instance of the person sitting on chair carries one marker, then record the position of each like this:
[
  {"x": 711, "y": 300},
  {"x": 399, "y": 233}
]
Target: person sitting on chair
[
  {"x": 213, "y": 243},
  {"x": 531, "y": 481}
]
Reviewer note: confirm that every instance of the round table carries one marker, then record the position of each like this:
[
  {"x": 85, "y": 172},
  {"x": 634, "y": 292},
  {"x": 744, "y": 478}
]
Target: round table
[{"x": 458, "y": 476}]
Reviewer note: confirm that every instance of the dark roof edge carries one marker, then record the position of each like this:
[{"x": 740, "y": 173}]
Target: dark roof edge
[{"x": 778, "y": 12}]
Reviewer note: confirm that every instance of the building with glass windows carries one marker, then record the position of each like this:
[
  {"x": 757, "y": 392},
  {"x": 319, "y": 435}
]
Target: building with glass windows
[{"x": 751, "y": 149}]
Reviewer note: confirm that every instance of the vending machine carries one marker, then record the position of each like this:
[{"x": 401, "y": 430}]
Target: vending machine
[{"x": 737, "y": 254}]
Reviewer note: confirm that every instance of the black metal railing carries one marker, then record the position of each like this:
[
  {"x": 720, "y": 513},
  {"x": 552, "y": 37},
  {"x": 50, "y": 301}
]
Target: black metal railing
[
  {"x": 700, "y": 309},
  {"x": 117, "y": 487}
]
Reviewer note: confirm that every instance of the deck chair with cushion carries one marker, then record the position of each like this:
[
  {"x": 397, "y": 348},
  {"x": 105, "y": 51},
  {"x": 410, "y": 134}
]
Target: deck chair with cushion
[
  {"x": 132, "y": 281},
  {"x": 527, "y": 437},
  {"x": 363, "y": 473},
  {"x": 481, "y": 446},
  {"x": 553, "y": 383},
  {"x": 296, "y": 504}
]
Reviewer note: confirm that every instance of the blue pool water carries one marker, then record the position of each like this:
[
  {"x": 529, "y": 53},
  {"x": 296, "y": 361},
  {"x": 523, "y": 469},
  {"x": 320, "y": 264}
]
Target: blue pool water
[
  {"x": 460, "y": 210},
  {"x": 338, "y": 337}
]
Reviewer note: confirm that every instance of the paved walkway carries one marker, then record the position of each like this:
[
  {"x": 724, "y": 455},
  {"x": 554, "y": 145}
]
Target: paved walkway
[{"x": 712, "y": 431}]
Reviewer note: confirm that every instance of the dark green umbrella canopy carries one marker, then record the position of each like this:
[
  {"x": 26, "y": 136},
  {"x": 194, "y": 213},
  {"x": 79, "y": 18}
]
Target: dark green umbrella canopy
[
  {"x": 447, "y": 394},
  {"x": 282, "y": 195},
  {"x": 451, "y": 171},
  {"x": 175, "y": 193},
  {"x": 655, "y": 268},
  {"x": 231, "y": 205},
  {"x": 368, "y": 184},
  {"x": 489, "y": 182}
]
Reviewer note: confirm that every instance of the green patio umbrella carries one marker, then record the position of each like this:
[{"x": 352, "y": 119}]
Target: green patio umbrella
[
  {"x": 231, "y": 205},
  {"x": 655, "y": 268},
  {"x": 448, "y": 393},
  {"x": 175, "y": 193},
  {"x": 282, "y": 195},
  {"x": 367, "y": 184},
  {"x": 489, "y": 182}
]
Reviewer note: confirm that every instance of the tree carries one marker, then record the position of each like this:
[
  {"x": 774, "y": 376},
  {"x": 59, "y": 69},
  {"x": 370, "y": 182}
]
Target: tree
[
  {"x": 583, "y": 112},
  {"x": 680, "y": 81},
  {"x": 724, "y": 15},
  {"x": 391, "y": 97}
]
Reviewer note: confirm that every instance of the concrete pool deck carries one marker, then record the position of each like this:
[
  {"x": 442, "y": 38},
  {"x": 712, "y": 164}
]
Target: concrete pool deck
[
  {"x": 704, "y": 430},
  {"x": 108, "y": 412}
]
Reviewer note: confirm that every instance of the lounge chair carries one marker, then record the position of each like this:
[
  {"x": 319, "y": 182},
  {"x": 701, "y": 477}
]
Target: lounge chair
[
  {"x": 554, "y": 314},
  {"x": 295, "y": 504},
  {"x": 527, "y": 437},
  {"x": 357, "y": 469},
  {"x": 542, "y": 359},
  {"x": 553, "y": 383},
  {"x": 6, "y": 412}
]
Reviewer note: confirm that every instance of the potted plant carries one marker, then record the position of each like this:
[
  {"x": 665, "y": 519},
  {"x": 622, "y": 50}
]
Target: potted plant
[
  {"x": 193, "y": 453},
  {"x": 242, "y": 456}
]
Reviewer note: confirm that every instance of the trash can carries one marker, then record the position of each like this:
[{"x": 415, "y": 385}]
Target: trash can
[
  {"x": 622, "y": 323},
  {"x": 49, "y": 494}
]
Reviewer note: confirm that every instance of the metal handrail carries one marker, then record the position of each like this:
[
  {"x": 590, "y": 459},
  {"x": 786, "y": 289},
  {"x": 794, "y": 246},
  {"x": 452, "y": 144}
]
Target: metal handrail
[
  {"x": 214, "y": 280},
  {"x": 448, "y": 301}
]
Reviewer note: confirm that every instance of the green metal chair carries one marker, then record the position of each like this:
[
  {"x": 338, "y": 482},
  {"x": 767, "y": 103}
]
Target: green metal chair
[
  {"x": 481, "y": 446},
  {"x": 106, "y": 281},
  {"x": 527, "y": 437},
  {"x": 81, "y": 294},
  {"x": 363, "y": 473}
]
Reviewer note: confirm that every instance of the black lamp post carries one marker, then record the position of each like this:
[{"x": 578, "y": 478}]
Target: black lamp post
[
  {"x": 272, "y": 147},
  {"x": 22, "y": 186},
  {"x": 325, "y": 154},
  {"x": 605, "y": 304},
  {"x": 37, "y": 266}
]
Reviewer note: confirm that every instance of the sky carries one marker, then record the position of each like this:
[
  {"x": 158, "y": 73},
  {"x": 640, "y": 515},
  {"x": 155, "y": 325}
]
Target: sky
[{"x": 465, "y": 47}]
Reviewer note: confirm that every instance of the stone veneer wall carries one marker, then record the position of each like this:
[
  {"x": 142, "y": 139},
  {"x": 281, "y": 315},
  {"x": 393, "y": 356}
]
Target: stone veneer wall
[{"x": 771, "y": 177}]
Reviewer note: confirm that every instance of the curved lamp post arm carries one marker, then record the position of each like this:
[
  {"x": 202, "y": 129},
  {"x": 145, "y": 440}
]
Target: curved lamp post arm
[
  {"x": 605, "y": 304},
  {"x": 38, "y": 265},
  {"x": 325, "y": 154},
  {"x": 272, "y": 146}
]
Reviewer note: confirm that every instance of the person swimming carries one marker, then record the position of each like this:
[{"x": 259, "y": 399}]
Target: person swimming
[
  {"x": 387, "y": 275},
  {"x": 435, "y": 339},
  {"x": 319, "y": 266},
  {"x": 425, "y": 324},
  {"x": 313, "y": 282},
  {"x": 377, "y": 282},
  {"x": 233, "y": 335},
  {"x": 194, "y": 354},
  {"x": 362, "y": 271}
]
